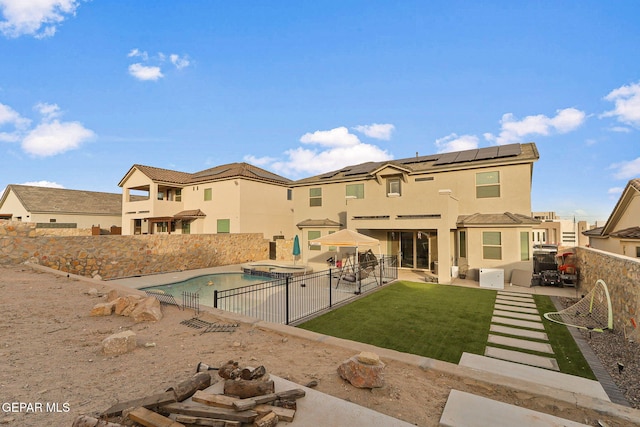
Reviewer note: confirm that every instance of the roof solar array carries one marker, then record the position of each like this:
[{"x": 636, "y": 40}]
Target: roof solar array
[{"x": 479, "y": 154}]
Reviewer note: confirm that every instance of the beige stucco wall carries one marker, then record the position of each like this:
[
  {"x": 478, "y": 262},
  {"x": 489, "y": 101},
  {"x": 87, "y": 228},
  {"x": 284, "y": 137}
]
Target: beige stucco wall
[
  {"x": 123, "y": 256},
  {"x": 12, "y": 205}
]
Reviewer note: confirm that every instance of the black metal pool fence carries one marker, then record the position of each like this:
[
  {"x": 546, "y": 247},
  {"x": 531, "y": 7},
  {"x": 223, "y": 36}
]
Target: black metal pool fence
[{"x": 294, "y": 299}]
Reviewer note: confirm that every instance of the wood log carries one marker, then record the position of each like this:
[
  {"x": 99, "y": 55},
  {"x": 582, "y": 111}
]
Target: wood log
[
  {"x": 87, "y": 421},
  {"x": 251, "y": 402},
  {"x": 185, "y": 389},
  {"x": 244, "y": 388},
  {"x": 210, "y": 399},
  {"x": 283, "y": 414},
  {"x": 188, "y": 420},
  {"x": 181, "y": 391},
  {"x": 152, "y": 419},
  {"x": 150, "y": 402},
  {"x": 268, "y": 420},
  {"x": 198, "y": 410}
]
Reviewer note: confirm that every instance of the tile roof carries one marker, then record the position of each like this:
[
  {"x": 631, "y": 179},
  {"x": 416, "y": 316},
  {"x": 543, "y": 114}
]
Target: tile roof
[
  {"x": 597, "y": 231},
  {"x": 60, "y": 200},
  {"x": 627, "y": 233},
  {"x": 318, "y": 223},
  {"x": 222, "y": 172},
  {"x": 506, "y": 218},
  {"x": 512, "y": 153}
]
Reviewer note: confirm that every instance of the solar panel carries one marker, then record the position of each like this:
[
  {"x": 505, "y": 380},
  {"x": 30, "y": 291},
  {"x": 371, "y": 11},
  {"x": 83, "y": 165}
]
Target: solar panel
[
  {"x": 446, "y": 158},
  {"x": 487, "y": 153},
  {"x": 509, "y": 150},
  {"x": 360, "y": 169},
  {"x": 467, "y": 156}
]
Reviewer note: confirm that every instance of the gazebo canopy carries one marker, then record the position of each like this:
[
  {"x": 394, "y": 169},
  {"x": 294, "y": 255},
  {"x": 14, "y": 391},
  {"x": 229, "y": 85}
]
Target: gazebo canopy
[{"x": 345, "y": 238}]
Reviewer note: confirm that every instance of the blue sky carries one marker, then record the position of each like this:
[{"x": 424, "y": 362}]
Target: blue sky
[{"x": 89, "y": 88}]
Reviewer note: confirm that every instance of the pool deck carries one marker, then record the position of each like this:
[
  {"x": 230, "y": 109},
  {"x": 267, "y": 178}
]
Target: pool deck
[{"x": 139, "y": 282}]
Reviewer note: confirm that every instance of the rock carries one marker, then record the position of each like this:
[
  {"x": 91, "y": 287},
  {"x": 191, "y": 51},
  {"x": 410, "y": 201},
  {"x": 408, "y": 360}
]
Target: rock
[
  {"x": 368, "y": 358},
  {"x": 362, "y": 375},
  {"x": 126, "y": 305},
  {"x": 148, "y": 310},
  {"x": 102, "y": 309},
  {"x": 93, "y": 292},
  {"x": 112, "y": 295},
  {"x": 119, "y": 343}
]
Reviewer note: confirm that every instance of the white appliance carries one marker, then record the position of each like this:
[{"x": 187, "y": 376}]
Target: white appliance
[{"x": 492, "y": 278}]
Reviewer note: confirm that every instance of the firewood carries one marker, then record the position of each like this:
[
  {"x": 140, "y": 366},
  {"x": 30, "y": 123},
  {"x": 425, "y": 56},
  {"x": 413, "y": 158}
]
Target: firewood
[
  {"x": 150, "y": 402},
  {"x": 283, "y": 414},
  {"x": 206, "y": 422},
  {"x": 244, "y": 388},
  {"x": 211, "y": 399},
  {"x": 198, "y": 410},
  {"x": 268, "y": 420},
  {"x": 86, "y": 421},
  {"x": 250, "y": 402},
  {"x": 152, "y": 419},
  {"x": 185, "y": 389}
]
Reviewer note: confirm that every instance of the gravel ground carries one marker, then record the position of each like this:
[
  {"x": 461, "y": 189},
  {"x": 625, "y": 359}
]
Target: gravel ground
[{"x": 613, "y": 348}]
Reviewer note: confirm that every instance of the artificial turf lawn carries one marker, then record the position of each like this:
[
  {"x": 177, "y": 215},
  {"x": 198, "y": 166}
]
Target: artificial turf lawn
[{"x": 436, "y": 321}]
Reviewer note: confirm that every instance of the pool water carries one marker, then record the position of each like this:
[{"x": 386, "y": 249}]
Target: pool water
[{"x": 207, "y": 284}]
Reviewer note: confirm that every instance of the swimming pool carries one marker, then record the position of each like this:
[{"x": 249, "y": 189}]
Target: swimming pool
[{"x": 207, "y": 284}]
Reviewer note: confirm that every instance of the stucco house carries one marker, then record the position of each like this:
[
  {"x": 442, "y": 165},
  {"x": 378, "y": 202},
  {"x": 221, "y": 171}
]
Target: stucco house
[
  {"x": 61, "y": 207},
  {"x": 231, "y": 198},
  {"x": 468, "y": 209},
  {"x": 621, "y": 232}
]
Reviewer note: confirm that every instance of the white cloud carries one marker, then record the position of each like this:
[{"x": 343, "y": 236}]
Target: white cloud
[
  {"x": 627, "y": 104},
  {"x": 453, "y": 142},
  {"x": 338, "y": 137},
  {"x": 179, "y": 62},
  {"x": 38, "y": 18},
  {"x": 376, "y": 130},
  {"x": 51, "y": 138},
  {"x": 137, "y": 53},
  {"x": 513, "y": 130},
  {"x": 336, "y": 148},
  {"x": 43, "y": 184},
  {"x": 48, "y": 111},
  {"x": 9, "y": 118},
  {"x": 615, "y": 190},
  {"x": 626, "y": 170},
  {"x": 144, "y": 72}
]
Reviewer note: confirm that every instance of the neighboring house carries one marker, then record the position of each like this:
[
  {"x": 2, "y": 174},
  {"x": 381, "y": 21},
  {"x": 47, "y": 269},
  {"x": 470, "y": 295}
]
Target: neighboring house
[
  {"x": 61, "y": 207},
  {"x": 621, "y": 232},
  {"x": 556, "y": 231},
  {"x": 231, "y": 198},
  {"x": 468, "y": 209}
]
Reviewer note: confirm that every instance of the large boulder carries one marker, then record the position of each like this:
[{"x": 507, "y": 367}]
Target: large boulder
[
  {"x": 363, "y": 371},
  {"x": 125, "y": 305},
  {"x": 147, "y": 310},
  {"x": 102, "y": 309},
  {"x": 119, "y": 343}
]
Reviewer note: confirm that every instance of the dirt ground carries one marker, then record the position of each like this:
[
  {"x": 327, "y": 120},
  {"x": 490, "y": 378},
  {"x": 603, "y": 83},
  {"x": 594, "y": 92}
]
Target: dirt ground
[{"x": 50, "y": 355}]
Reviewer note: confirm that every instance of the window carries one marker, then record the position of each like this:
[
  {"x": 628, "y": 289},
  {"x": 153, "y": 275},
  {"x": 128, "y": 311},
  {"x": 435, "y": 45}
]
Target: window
[
  {"x": 223, "y": 226},
  {"x": 332, "y": 248},
  {"x": 393, "y": 187},
  {"x": 313, "y": 235},
  {"x": 355, "y": 191},
  {"x": 487, "y": 184},
  {"x": 524, "y": 246},
  {"x": 491, "y": 245},
  {"x": 315, "y": 197},
  {"x": 463, "y": 244},
  {"x": 162, "y": 227},
  {"x": 207, "y": 194},
  {"x": 289, "y": 194},
  {"x": 52, "y": 220},
  {"x": 186, "y": 227},
  {"x": 160, "y": 195},
  {"x": 637, "y": 251},
  {"x": 178, "y": 195}
]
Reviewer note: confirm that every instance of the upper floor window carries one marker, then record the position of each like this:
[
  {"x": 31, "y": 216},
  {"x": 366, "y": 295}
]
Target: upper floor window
[
  {"x": 160, "y": 195},
  {"x": 315, "y": 197},
  {"x": 487, "y": 184},
  {"x": 289, "y": 194},
  {"x": 178, "y": 195},
  {"x": 394, "y": 187},
  {"x": 207, "y": 194},
  {"x": 355, "y": 191}
]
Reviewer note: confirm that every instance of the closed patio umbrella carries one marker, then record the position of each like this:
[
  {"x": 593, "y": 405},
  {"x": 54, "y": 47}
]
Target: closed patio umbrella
[{"x": 296, "y": 248}]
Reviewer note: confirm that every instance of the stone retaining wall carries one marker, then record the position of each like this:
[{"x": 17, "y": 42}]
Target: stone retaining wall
[
  {"x": 123, "y": 256},
  {"x": 622, "y": 276}
]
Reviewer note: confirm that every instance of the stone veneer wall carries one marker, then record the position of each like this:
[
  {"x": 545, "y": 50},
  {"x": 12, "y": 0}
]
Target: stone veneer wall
[
  {"x": 622, "y": 276},
  {"x": 123, "y": 256}
]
